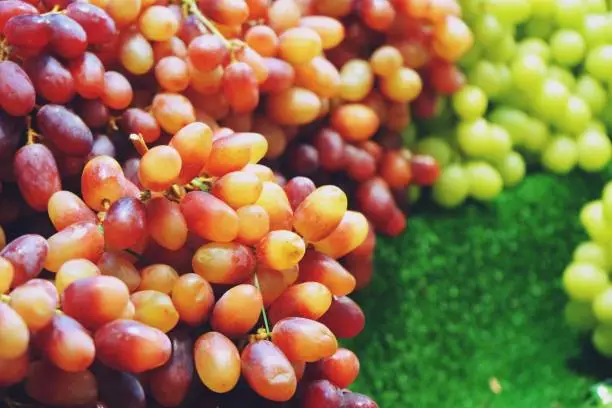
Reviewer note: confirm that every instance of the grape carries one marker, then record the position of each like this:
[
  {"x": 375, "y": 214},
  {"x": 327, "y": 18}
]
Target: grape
[
  {"x": 280, "y": 249},
  {"x": 344, "y": 317},
  {"x": 12, "y": 8},
  {"x": 341, "y": 368},
  {"x": 601, "y": 306},
  {"x": 117, "y": 389},
  {"x": 293, "y": 106},
  {"x": 118, "y": 92},
  {"x": 254, "y": 224},
  {"x": 594, "y": 150},
  {"x": 193, "y": 298},
  {"x": 27, "y": 255},
  {"x": 65, "y": 129},
  {"x": 303, "y": 339},
  {"x": 115, "y": 264},
  {"x": 66, "y": 208},
  {"x": 68, "y": 38},
  {"x": 98, "y": 25},
  {"x": 166, "y": 224},
  {"x": 28, "y": 31},
  {"x": 579, "y": 315},
  {"x": 30, "y": 162},
  {"x": 155, "y": 309},
  {"x": 237, "y": 311},
  {"x": 238, "y": 189},
  {"x": 131, "y": 346},
  {"x": 322, "y": 393},
  {"x": 584, "y": 281},
  {"x": 591, "y": 91},
  {"x": 274, "y": 200},
  {"x": 592, "y": 253},
  {"x": 601, "y": 340},
  {"x": 310, "y": 300},
  {"x": 355, "y": 400},
  {"x": 51, "y": 79},
  {"x": 512, "y": 169},
  {"x": 74, "y": 270},
  {"x": 14, "y": 335},
  {"x": 217, "y": 362},
  {"x": 567, "y": 47},
  {"x": 485, "y": 182},
  {"x": 35, "y": 306},
  {"x": 224, "y": 263},
  {"x": 355, "y": 122},
  {"x": 54, "y": 387},
  {"x": 349, "y": 234},
  {"x": 14, "y": 371},
  {"x": 204, "y": 213},
  {"x": 281, "y": 76},
  {"x": 593, "y": 220},
  {"x": 6, "y": 275},
  {"x": 597, "y": 60},
  {"x": 240, "y": 87},
  {"x": 317, "y": 267},
  {"x": 268, "y": 371},
  {"x": 560, "y": 155},
  {"x": 82, "y": 240},
  {"x": 158, "y": 23},
  {"x": 17, "y": 89},
  {"x": 320, "y": 76}
]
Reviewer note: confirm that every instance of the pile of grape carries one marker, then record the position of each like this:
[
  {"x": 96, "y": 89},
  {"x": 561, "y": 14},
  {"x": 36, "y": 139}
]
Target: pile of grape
[
  {"x": 537, "y": 93},
  {"x": 158, "y": 245}
]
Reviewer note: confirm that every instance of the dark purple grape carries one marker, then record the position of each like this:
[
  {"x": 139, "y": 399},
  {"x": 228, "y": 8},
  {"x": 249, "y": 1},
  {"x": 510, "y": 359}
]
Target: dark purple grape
[
  {"x": 27, "y": 254},
  {"x": 28, "y": 31},
  {"x": 18, "y": 94},
  {"x": 355, "y": 400},
  {"x": 37, "y": 175},
  {"x": 98, "y": 25},
  {"x": 117, "y": 389},
  {"x": 304, "y": 159},
  {"x": 68, "y": 39},
  {"x": 125, "y": 223},
  {"x": 102, "y": 146},
  {"x": 297, "y": 189},
  {"x": 65, "y": 129},
  {"x": 10, "y": 132},
  {"x": 330, "y": 146},
  {"x": 321, "y": 394},
  {"x": 50, "y": 78},
  {"x": 94, "y": 113}
]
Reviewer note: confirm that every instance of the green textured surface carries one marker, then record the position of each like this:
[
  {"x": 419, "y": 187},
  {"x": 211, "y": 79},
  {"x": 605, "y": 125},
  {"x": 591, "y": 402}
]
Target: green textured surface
[{"x": 476, "y": 294}]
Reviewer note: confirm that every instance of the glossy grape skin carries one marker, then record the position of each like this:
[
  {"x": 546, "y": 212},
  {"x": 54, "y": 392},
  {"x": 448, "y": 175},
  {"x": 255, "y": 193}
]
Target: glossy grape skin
[
  {"x": 224, "y": 263},
  {"x": 158, "y": 277},
  {"x": 27, "y": 255},
  {"x": 66, "y": 208},
  {"x": 119, "y": 389},
  {"x": 206, "y": 52},
  {"x": 237, "y": 311},
  {"x": 14, "y": 371},
  {"x": 268, "y": 371},
  {"x": 228, "y": 154},
  {"x": 281, "y": 76},
  {"x": 125, "y": 223},
  {"x": 74, "y": 270},
  {"x": 54, "y": 387},
  {"x": 131, "y": 346},
  {"x": 155, "y": 309},
  {"x": 204, "y": 213},
  {"x": 101, "y": 180},
  {"x": 51, "y": 79},
  {"x": 93, "y": 112},
  {"x": 88, "y": 74},
  {"x": 172, "y": 111},
  {"x": 14, "y": 334},
  {"x": 82, "y": 240},
  {"x": 66, "y": 344},
  {"x": 254, "y": 224},
  {"x": 34, "y": 304},
  {"x": 294, "y": 106},
  {"x": 65, "y": 129},
  {"x": 280, "y": 249},
  {"x": 12, "y": 8},
  {"x": 304, "y": 339},
  {"x": 342, "y": 368},
  {"x": 68, "y": 38},
  {"x": 321, "y": 394},
  {"x": 238, "y": 189},
  {"x": 28, "y": 31},
  {"x": 170, "y": 383},
  {"x": 193, "y": 298},
  {"x": 194, "y": 145},
  {"x": 98, "y": 25},
  {"x": 118, "y": 92},
  {"x": 274, "y": 200},
  {"x": 318, "y": 267},
  {"x": 30, "y": 162},
  {"x": 17, "y": 89},
  {"x": 115, "y": 264},
  {"x": 344, "y": 318},
  {"x": 356, "y": 400},
  {"x": 350, "y": 233},
  {"x": 297, "y": 189},
  {"x": 320, "y": 213},
  {"x": 309, "y": 300},
  {"x": 217, "y": 362},
  {"x": 166, "y": 224},
  {"x": 140, "y": 122},
  {"x": 240, "y": 87}
]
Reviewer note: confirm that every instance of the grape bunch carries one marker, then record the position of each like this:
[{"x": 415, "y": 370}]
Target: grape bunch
[
  {"x": 149, "y": 254},
  {"x": 536, "y": 94}
]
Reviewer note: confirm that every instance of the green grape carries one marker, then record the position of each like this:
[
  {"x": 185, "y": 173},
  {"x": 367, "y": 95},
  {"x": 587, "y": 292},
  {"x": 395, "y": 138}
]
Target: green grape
[
  {"x": 593, "y": 253},
  {"x": 551, "y": 98},
  {"x": 535, "y": 46},
  {"x": 474, "y": 137},
  {"x": 562, "y": 75},
  {"x": 602, "y": 340},
  {"x": 470, "y": 102},
  {"x": 570, "y": 13},
  {"x": 577, "y": 116},
  {"x": 539, "y": 28},
  {"x": 485, "y": 181},
  {"x": 606, "y": 202},
  {"x": 606, "y": 114},
  {"x": 579, "y": 315},
  {"x": 516, "y": 98},
  {"x": 598, "y": 62},
  {"x": 510, "y": 11},
  {"x": 512, "y": 169},
  {"x": 538, "y": 137},
  {"x": 602, "y": 306},
  {"x": 543, "y": 8},
  {"x": 592, "y": 92},
  {"x": 505, "y": 79},
  {"x": 503, "y": 50},
  {"x": 596, "y": 6},
  {"x": 485, "y": 75},
  {"x": 567, "y": 47},
  {"x": 471, "y": 8},
  {"x": 515, "y": 121},
  {"x": 409, "y": 135},
  {"x": 488, "y": 30},
  {"x": 471, "y": 58},
  {"x": 452, "y": 187},
  {"x": 528, "y": 71},
  {"x": 583, "y": 281},
  {"x": 597, "y": 125},
  {"x": 560, "y": 155},
  {"x": 596, "y": 31},
  {"x": 500, "y": 143},
  {"x": 594, "y": 150},
  {"x": 594, "y": 222},
  {"x": 436, "y": 147},
  {"x": 413, "y": 193}
]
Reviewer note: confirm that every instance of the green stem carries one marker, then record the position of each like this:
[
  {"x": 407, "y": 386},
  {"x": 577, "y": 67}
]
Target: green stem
[
  {"x": 263, "y": 308},
  {"x": 193, "y": 8}
]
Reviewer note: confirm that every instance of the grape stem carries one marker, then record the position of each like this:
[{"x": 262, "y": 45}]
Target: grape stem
[
  {"x": 5, "y": 298},
  {"x": 31, "y": 134},
  {"x": 139, "y": 143},
  {"x": 263, "y": 308},
  {"x": 5, "y": 50}
]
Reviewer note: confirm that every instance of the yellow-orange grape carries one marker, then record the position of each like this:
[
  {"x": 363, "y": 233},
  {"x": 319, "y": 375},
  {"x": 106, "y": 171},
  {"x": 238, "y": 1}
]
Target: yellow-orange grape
[
  {"x": 158, "y": 23},
  {"x": 34, "y": 304},
  {"x": 115, "y": 264},
  {"x": 309, "y": 299},
  {"x": 386, "y": 60},
  {"x": 206, "y": 82},
  {"x": 295, "y": 106},
  {"x": 193, "y": 299},
  {"x": 155, "y": 309},
  {"x": 320, "y": 213},
  {"x": 95, "y": 301},
  {"x": 124, "y": 12},
  {"x": 166, "y": 224},
  {"x": 355, "y": 122},
  {"x": 14, "y": 334},
  {"x": 172, "y": 74},
  {"x": 82, "y": 240},
  {"x": 452, "y": 38},
  {"x": 226, "y": 12},
  {"x": 101, "y": 180},
  {"x": 159, "y": 168},
  {"x": 194, "y": 144},
  {"x": 263, "y": 40},
  {"x": 274, "y": 134},
  {"x": 74, "y": 270},
  {"x": 66, "y": 208},
  {"x": 263, "y": 172},
  {"x": 172, "y": 111},
  {"x": 341, "y": 368},
  {"x": 254, "y": 224},
  {"x": 255, "y": 61},
  {"x": 239, "y": 122},
  {"x": 299, "y": 45},
  {"x": 304, "y": 339},
  {"x": 158, "y": 277},
  {"x": 281, "y": 249},
  {"x": 268, "y": 371},
  {"x": 318, "y": 267},
  {"x": 415, "y": 54},
  {"x": 237, "y": 311},
  {"x": 283, "y": 15},
  {"x": 172, "y": 47},
  {"x": 356, "y": 80},
  {"x": 228, "y": 154},
  {"x": 329, "y": 29},
  {"x": 224, "y": 263},
  {"x": 404, "y": 85},
  {"x": 272, "y": 283},
  {"x": 129, "y": 311},
  {"x": 337, "y": 8},
  {"x": 14, "y": 371},
  {"x": 204, "y": 213},
  {"x": 274, "y": 200},
  {"x": 7, "y": 273},
  {"x": 54, "y": 387},
  {"x": 257, "y": 143},
  {"x": 217, "y": 362},
  {"x": 136, "y": 53},
  {"x": 350, "y": 233},
  {"x": 238, "y": 188},
  {"x": 320, "y": 76}
]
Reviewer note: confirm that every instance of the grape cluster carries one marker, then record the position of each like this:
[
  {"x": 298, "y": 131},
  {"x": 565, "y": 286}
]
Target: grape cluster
[
  {"x": 537, "y": 93},
  {"x": 152, "y": 255}
]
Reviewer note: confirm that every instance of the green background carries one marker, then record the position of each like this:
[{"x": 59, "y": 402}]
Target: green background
[{"x": 474, "y": 293}]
